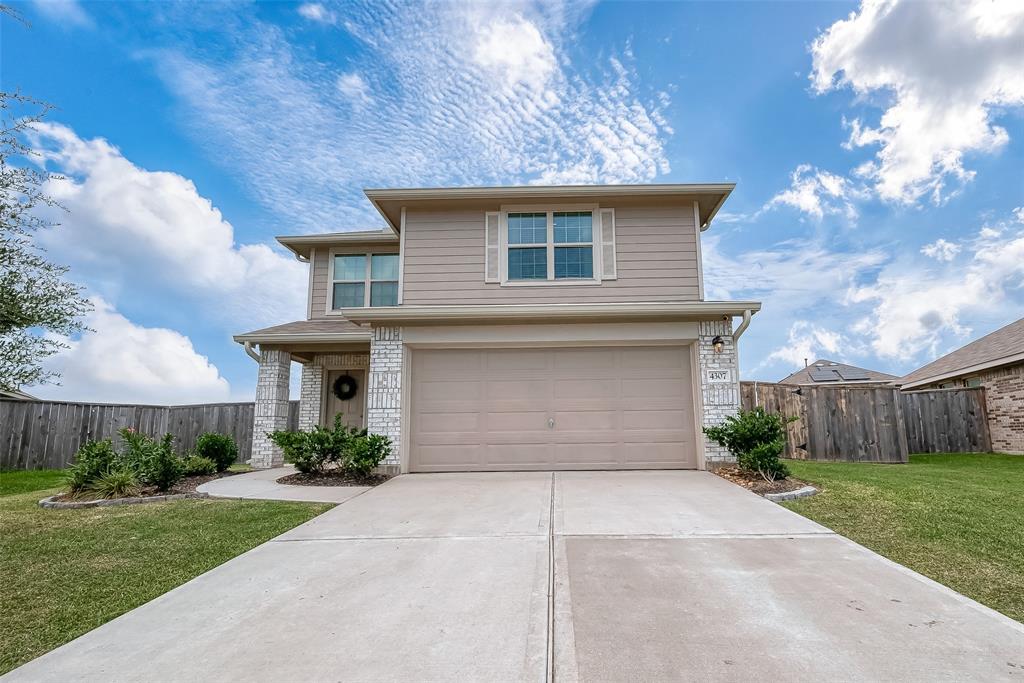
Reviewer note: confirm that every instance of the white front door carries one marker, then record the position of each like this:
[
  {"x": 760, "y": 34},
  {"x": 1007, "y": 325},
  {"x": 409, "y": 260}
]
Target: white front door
[{"x": 346, "y": 396}]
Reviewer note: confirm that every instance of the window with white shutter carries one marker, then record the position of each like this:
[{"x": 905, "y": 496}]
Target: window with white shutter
[{"x": 493, "y": 247}]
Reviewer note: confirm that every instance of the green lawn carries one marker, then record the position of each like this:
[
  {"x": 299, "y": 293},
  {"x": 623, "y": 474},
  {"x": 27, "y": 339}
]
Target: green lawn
[
  {"x": 956, "y": 518},
  {"x": 65, "y": 572}
]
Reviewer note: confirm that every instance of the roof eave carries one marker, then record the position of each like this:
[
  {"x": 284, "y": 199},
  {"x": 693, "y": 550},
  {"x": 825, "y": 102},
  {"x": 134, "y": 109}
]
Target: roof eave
[
  {"x": 302, "y": 337},
  {"x": 970, "y": 369}
]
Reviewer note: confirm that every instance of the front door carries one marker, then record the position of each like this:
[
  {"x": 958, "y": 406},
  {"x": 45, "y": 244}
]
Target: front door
[{"x": 346, "y": 396}]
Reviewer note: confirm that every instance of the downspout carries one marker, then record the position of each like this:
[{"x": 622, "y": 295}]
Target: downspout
[
  {"x": 743, "y": 326},
  {"x": 251, "y": 352}
]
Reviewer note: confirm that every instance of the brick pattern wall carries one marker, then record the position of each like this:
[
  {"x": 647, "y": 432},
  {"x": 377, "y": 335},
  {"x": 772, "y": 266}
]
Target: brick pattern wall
[
  {"x": 271, "y": 409},
  {"x": 1004, "y": 399},
  {"x": 384, "y": 390},
  {"x": 720, "y": 399},
  {"x": 314, "y": 373}
]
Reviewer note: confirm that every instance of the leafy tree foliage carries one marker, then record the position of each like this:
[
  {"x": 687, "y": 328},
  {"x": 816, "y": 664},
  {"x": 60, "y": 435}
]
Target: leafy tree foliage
[{"x": 37, "y": 305}]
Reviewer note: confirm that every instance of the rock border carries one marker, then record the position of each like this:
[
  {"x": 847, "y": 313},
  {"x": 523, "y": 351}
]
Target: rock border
[
  {"x": 52, "y": 503},
  {"x": 791, "y": 495}
]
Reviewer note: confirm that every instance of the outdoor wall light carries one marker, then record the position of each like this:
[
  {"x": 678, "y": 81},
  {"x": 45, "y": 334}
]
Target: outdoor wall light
[{"x": 718, "y": 343}]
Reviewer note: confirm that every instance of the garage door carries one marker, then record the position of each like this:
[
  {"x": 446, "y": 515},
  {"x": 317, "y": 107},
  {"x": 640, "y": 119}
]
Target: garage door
[{"x": 558, "y": 408}]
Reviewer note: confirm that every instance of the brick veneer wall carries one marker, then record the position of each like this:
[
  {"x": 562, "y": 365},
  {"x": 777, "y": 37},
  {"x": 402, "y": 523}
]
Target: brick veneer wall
[
  {"x": 271, "y": 409},
  {"x": 384, "y": 389},
  {"x": 311, "y": 391},
  {"x": 1004, "y": 399},
  {"x": 720, "y": 399}
]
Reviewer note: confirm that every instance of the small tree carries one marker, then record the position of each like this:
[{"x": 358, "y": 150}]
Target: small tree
[
  {"x": 37, "y": 305},
  {"x": 757, "y": 439}
]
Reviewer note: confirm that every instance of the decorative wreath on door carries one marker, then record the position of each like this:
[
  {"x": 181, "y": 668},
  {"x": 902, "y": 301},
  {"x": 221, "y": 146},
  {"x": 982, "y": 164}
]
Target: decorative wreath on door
[{"x": 345, "y": 387}]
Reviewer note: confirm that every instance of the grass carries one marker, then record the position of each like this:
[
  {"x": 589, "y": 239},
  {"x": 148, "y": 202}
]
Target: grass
[
  {"x": 65, "y": 572},
  {"x": 956, "y": 518}
]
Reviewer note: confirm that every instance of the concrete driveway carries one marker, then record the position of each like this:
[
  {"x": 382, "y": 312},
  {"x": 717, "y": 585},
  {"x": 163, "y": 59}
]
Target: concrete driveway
[{"x": 591, "y": 576}]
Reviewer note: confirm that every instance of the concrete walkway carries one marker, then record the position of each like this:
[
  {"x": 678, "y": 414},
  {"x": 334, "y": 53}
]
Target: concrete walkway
[
  {"x": 263, "y": 485},
  {"x": 592, "y": 576}
]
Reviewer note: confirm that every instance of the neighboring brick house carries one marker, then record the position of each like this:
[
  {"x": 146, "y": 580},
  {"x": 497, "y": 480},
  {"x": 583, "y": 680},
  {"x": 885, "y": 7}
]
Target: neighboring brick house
[
  {"x": 996, "y": 362},
  {"x": 513, "y": 328}
]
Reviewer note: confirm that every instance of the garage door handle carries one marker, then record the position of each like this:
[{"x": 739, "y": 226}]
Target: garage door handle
[{"x": 551, "y": 423}]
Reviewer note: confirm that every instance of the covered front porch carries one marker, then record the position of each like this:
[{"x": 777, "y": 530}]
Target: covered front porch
[{"x": 336, "y": 380}]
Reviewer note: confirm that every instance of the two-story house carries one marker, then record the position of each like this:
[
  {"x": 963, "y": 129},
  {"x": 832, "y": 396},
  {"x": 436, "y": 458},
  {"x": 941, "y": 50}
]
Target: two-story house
[{"x": 513, "y": 328}]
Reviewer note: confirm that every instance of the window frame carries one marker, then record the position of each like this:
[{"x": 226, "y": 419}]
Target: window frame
[
  {"x": 367, "y": 280},
  {"x": 550, "y": 245}
]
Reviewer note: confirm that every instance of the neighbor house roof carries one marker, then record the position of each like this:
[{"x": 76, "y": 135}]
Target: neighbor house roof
[
  {"x": 709, "y": 196},
  {"x": 17, "y": 395},
  {"x": 825, "y": 371},
  {"x": 1002, "y": 347},
  {"x": 330, "y": 329}
]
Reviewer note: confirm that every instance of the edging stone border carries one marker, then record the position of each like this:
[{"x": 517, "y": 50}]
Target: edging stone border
[
  {"x": 791, "y": 495},
  {"x": 52, "y": 503}
]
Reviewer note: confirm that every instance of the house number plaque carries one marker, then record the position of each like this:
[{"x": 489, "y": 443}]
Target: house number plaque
[{"x": 719, "y": 376}]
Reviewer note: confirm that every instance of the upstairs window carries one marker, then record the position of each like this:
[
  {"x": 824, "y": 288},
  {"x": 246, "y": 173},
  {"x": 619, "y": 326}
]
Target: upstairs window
[
  {"x": 550, "y": 245},
  {"x": 360, "y": 280}
]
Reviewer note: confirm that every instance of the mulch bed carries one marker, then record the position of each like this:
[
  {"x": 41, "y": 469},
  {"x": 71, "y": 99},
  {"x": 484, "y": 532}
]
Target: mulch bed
[
  {"x": 186, "y": 485},
  {"x": 753, "y": 481},
  {"x": 332, "y": 478}
]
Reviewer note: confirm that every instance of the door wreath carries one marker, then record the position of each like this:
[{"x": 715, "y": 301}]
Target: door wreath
[{"x": 345, "y": 387}]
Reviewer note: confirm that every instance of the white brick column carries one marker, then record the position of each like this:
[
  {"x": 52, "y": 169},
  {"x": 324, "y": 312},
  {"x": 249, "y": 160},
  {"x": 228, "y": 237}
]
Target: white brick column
[
  {"x": 720, "y": 399},
  {"x": 310, "y": 395},
  {"x": 271, "y": 413},
  {"x": 384, "y": 390}
]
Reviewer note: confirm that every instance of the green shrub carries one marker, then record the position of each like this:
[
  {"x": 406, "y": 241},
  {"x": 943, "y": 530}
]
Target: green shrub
[
  {"x": 93, "y": 459},
  {"x": 115, "y": 483},
  {"x": 220, "y": 448},
  {"x": 314, "y": 450},
  {"x": 366, "y": 452},
  {"x": 195, "y": 465},
  {"x": 757, "y": 439},
  {"x": 155, "y": 462}
]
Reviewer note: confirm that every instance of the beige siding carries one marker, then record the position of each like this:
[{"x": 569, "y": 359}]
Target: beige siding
[
  {"x": 321, "y": 272},
  {"x": 656, "y": 255}
]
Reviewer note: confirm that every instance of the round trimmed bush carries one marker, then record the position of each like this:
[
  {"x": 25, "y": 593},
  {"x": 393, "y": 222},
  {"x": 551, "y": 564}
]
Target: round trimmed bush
[{"x": 220, "y": 448}]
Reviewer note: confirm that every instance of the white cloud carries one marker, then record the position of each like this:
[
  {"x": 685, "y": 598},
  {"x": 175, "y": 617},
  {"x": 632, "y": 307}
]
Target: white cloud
[
  {"x": 808, "y": 342},
  {"x": 941, "y": 250},
  {"x": 314, "y": 11},
  {"x": 913, "y": 308},
  {"x": 817, "y": 193},
  {"x": 154, "y": 230},
  {"x": 353, "y": 87},
  {"x": 121, "y": 362},
  {"x": 514, "y": 48},
  {"x": 68, "y": 12},
  {"x": 945, "y": 68},
  {"x": 453, "y": 108}
]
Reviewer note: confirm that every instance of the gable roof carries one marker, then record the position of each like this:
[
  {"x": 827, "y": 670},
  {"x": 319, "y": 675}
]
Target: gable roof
[
  {"x": 1002, "y": 347},
  {"x": 823, "y": 371}
]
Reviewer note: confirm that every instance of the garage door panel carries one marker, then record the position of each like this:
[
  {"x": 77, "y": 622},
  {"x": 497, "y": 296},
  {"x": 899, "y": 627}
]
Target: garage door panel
[{"x": 610, "y": 407}]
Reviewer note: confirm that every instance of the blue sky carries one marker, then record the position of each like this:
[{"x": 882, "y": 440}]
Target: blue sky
[{"x": 878, "y": 152}]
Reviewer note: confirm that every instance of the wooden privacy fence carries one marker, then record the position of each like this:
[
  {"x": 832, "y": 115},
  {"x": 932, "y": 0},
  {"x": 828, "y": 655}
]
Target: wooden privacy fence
[
  {"x": 873, "y": 424},
  {"x": 45, "y": 434}
]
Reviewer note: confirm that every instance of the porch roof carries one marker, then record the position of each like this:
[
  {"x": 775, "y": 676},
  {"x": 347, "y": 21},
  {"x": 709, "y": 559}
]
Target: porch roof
[{"x": 333, "y": 329}]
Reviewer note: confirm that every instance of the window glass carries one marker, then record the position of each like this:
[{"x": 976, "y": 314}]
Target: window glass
[
  {"x": 527, "y": 228},
  {"x": 384, "y": 267},
  {"x": 573, "y": 226},
  {"x": 528, "y": 264},
  {"x": 383, "y": 293},
  {"x": 574, "y": 262},
  {"x": 350, "y": 267},
  {"x": 349, "y": 295}
]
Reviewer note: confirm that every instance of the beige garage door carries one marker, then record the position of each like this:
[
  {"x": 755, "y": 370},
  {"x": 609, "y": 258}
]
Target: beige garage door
[{"x": 560, "y": 408}]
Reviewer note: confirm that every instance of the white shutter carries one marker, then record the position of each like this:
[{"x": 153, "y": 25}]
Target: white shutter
[
  {"x": 493, "y": 247},
  {"x": 608, "y": 244}
]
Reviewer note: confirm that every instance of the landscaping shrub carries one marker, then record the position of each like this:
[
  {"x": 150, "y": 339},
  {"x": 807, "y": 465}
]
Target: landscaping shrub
[
  {"x": 220, "y": 448},
  {"x": 757, "y": 439},
  {"x": 313, "y": 451},
  {"x": 115, "y": 483},
  {"x": 365, "y": 452},
  {"x": 195, "y": 465},
  {"x": 94, "y": 459},
  {"x": 155, "y": 462}
]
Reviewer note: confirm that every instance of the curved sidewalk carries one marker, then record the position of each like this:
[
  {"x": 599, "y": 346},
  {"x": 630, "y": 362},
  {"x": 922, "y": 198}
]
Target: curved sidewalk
[{"x": 262, "y": 485}]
